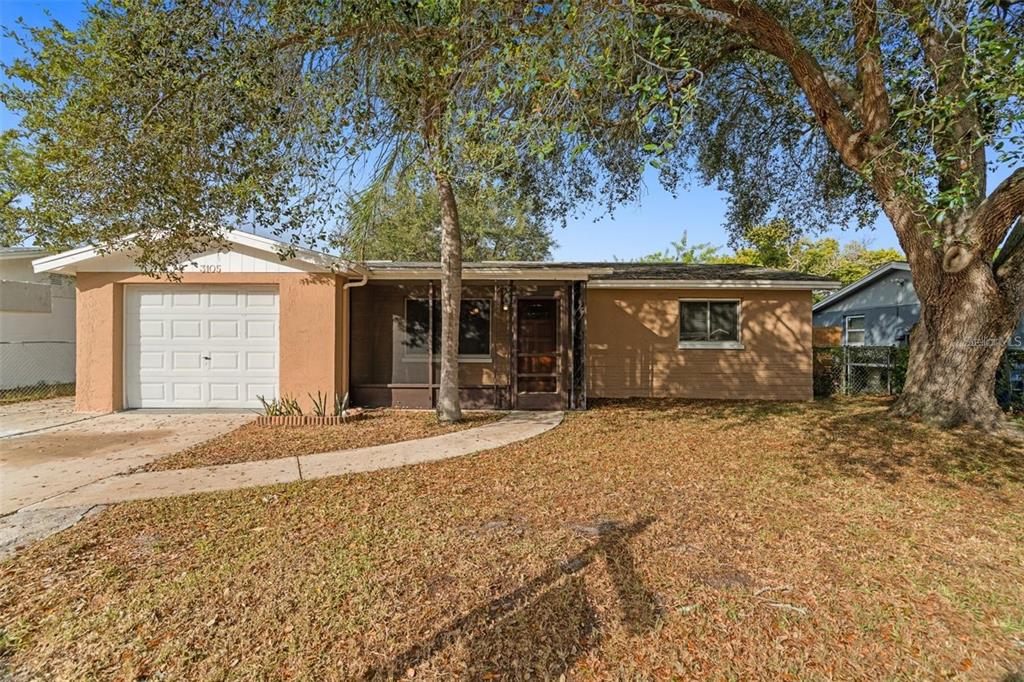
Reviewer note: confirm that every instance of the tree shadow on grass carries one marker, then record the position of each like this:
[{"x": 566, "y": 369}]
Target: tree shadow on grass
[
  {"x": 541, "y": 640},
  {"x": 850, "y": 437},
  {"x": 685, "y": 409},
  {"x": 872, "y": 443},
  {"x": 543, "y": 627},
  {"x": 716, "y": 415}
]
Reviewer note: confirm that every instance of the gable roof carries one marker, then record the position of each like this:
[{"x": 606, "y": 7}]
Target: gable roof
[
  {"x": 864, "y": 281},
  {"x": 67, "y": 261}
]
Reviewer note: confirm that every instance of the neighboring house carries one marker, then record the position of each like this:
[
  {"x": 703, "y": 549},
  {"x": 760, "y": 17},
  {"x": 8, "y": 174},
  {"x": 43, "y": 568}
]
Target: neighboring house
[
  {"x": 37, "y": 322},
  {"x": 879, "y": 309},
  {"x": 244, "y": 323}
]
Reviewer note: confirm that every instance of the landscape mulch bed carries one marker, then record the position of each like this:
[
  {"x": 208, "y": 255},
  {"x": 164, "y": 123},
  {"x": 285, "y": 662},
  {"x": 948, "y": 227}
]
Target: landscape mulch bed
[
  {"x": 376, "y": 427},
  {"x": 638, "y": 540}
]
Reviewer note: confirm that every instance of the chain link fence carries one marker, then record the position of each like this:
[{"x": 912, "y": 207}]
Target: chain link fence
[
  {"x": 33, "y": 370},
  {"x": 882, "y": 370},
  {"x": 1010, "y": 381}
]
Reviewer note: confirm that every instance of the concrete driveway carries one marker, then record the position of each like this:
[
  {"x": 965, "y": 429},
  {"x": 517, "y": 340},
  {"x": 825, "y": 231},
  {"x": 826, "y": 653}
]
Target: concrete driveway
[
  {"x": 34, "y": 415},
  {"x": 58, "y": 450}
]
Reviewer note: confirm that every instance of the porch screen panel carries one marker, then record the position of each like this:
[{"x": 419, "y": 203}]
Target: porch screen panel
[
  {"x": 410, "y": 342},
  {"x": 418, "y": 337}
]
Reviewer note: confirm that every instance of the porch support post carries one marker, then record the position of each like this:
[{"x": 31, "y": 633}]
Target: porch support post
[
  {"x": 513, "y": 359},
  {"x": 578, "y": 345},
  {"x": 430, "y": 344}
]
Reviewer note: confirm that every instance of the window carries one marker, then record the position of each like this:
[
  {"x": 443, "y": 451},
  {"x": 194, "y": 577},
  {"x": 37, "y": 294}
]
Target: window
[
  {"x": 855, "y": 330},
  {"x": 474, "y": 327},
  {"x": 709, "y": 324}
]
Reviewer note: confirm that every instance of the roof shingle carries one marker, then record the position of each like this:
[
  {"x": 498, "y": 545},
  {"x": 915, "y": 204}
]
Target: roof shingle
[{"x": 628, "y": 271}]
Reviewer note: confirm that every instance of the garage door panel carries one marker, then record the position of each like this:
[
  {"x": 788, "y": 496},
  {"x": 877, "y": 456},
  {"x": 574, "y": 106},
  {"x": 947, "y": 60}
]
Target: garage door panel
[
  {"x": 224, "y": 330},
  {"x": 261, "y": 329},
  {"x": 224, "y": 299},
  {"x": 152, "y": 360},
  {"x": 210, "y": 346},
  {"x": 190, "y": 329},
  {"x": 149, "y": 391},
  {"x": 224, "y": 361},
  {"x": 221, "y": 393},
  {"x": 150, "y": 329},
  {"x": 186, "y": 360},
  {"x": 255, "y": 360},
  {"x": 151, "y": 299},
  {"x": 253, "y": 392},
  {"x": 184, "y": 299},
  {"x": 187, "y": 391}
]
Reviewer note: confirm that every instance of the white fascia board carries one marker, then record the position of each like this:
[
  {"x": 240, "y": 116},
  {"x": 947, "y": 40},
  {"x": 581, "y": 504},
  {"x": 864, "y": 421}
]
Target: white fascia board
[
  {"x": 63, "y": 262},
  {"x": 862, "y": 282},
  {"x": 377, "y": 273},
  {"x": 711, "y": 284}
]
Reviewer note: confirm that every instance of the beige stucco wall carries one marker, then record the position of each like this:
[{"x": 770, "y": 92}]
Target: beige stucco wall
[
  {"x": 99, "y": 352},
  {"x": 310, "y": 318},
  {"x": 632, "y": 347}
]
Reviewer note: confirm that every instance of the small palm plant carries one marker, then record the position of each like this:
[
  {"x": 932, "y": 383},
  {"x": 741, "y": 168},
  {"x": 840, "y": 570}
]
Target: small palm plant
[
  {"x": 319, "y": 404},
  {"x": 341, "y": 406},
  {"x": 271, "y": 407}
]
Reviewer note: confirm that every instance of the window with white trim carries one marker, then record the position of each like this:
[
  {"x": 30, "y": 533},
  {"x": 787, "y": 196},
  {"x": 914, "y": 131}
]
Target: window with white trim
[
  {"x": 854, "y": 330},
  {"x": 711, "y": 323},
  {"x": 474, "y": 327}
]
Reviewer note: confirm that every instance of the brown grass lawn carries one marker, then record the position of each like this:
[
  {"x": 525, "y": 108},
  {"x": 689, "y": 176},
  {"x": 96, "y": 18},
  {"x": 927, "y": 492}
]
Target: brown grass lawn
[
  {"x": 637, "y": 540},
  {"x": 377, "y": 427}
]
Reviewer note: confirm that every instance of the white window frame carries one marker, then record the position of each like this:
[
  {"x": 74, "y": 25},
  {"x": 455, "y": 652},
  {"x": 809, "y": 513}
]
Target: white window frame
[
  {"x": 846, "y": 330},
  {"x": 422, "y": 357},
  {"x": 711, "y": 345}
]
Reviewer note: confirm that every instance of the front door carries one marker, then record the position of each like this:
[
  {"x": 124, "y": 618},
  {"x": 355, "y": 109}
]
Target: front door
[{"x": 538, "y": 357}]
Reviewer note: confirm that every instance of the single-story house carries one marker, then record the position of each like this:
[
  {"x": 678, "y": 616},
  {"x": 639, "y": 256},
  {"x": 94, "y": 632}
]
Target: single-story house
[
  {"x": 879, "y": 309},
  {"x": 37, "y": 322},
  {"x": 247, "y": 321}
]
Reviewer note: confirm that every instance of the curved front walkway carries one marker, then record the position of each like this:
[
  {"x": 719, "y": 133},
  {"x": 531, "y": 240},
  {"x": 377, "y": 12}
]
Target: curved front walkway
[{"x": 121, "y": 488}]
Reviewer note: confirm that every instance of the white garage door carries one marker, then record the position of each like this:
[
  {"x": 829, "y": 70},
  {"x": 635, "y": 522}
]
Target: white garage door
[{"x": 200, "y": 346}]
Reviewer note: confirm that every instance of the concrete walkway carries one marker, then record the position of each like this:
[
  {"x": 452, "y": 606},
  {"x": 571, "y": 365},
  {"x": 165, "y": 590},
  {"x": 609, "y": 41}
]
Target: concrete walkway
[{"x": 515, "y": 427}]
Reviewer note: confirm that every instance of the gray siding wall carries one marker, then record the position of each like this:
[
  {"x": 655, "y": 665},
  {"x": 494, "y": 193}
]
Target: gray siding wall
[{"x": 889, "y": 306}]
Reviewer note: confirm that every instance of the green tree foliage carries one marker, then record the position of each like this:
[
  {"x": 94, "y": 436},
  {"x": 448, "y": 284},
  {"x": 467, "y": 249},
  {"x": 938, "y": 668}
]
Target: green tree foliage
[
  {"x": 683, "y": 252},
  {"x": 404, "y": 224},
  {"x": 824, "y": 113},
  {"x": 158, "y": 124},
  {"x": 777, "y": 245}
]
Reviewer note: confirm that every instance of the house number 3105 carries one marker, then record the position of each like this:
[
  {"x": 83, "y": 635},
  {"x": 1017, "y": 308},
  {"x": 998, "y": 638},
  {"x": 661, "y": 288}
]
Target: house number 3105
[{"x": 209, "y": 268}]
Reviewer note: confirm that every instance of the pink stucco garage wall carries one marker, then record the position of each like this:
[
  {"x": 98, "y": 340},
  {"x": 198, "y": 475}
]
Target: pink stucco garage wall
[{"x": 313, "y": 322}]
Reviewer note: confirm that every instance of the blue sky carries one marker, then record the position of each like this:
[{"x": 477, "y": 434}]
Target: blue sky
[{"x": 633, "y": 231}]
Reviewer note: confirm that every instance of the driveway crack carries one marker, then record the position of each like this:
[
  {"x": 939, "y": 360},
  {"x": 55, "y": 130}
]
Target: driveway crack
[{"x": 53, "y": 426}]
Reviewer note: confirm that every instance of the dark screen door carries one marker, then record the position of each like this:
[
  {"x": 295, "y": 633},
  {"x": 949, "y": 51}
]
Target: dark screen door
[{"x": 537, "y": 354}]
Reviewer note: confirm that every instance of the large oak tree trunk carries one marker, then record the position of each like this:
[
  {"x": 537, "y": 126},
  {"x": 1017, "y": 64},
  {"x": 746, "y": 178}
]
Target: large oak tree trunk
[
  {"x": 448, "y": 407},
  {"x": 955, "y": 350}
]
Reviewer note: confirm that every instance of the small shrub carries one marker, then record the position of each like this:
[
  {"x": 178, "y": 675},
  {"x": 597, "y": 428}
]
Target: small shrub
[{"x": 319, "y": 404}]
